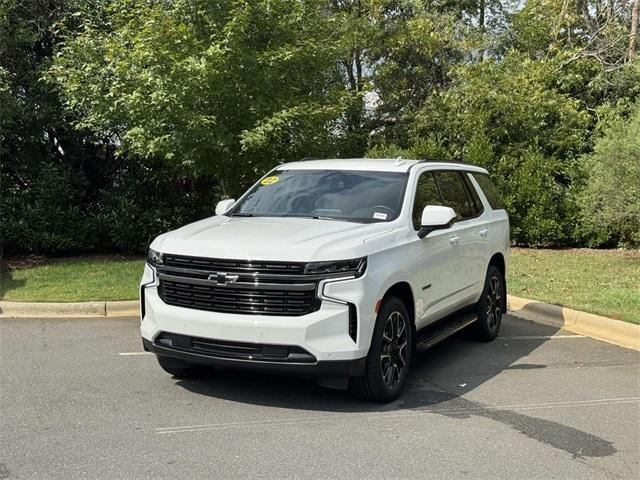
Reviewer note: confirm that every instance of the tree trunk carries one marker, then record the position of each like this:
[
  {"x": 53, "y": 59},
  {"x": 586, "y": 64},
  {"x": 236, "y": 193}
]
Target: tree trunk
[{"x": 634, "y": 30}]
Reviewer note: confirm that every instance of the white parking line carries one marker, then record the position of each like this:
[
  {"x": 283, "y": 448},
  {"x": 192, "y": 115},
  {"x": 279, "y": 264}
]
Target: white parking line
[
  {"x": 131, "y": 354},
  {"x": 538, "y": 337},
  {"x": 394, "y": 415}
]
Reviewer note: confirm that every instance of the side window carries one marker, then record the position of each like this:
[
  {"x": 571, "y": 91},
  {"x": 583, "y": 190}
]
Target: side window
[
  {"x": 490, "y": 191},
  {"x": 475, "y": 199},
  {"x": 454, "y": 194},
  {"x": 426, "y": 194}
]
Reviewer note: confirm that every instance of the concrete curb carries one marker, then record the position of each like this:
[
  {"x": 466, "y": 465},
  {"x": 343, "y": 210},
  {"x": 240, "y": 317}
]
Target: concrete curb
[
  {"x": 69, "y": 310},
  {"x": 601, "y": 328},
  {"x": 606, "y": 329}
]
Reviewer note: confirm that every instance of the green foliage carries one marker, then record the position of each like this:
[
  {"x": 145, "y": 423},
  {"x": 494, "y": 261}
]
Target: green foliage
[
  {"x": 610, "y": 202},
  {"x": 63, "y": 189},
  {"x": 229, "y": 89},
  {"x": 56, "y": 209},
  {"x": 505, "y": 116},
  {"x": 521, "y": 101},
  {"x": 42, "y": 214},
  {"x": 120, "y": 119}
]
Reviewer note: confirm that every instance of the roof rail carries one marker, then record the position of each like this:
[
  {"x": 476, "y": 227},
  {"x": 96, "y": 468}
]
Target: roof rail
[
  {"x": 436, "y": 160},
  {"x": 305, "y": 159}
]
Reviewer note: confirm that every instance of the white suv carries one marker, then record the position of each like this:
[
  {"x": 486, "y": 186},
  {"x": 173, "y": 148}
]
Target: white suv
[{"x": 334, "y": 269}]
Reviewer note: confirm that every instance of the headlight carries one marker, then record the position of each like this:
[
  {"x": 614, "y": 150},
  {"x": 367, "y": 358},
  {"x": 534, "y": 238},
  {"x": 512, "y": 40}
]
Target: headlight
[
  {"x": 343, "y": 268},
  {"x": 154, "y": 257}
]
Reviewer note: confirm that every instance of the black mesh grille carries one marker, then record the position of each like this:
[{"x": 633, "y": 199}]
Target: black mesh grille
[
  {"x": 235, "y": 350},
  {"x": 234, "y": 300},
  {"x": 237, "y": 286}
]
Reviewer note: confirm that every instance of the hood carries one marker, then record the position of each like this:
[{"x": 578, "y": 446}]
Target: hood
[{"x": 265, "y": 238}]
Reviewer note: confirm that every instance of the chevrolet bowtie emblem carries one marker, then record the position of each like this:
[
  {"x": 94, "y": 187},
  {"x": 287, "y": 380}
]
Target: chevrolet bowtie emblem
[{"x": 220, "y": 278}]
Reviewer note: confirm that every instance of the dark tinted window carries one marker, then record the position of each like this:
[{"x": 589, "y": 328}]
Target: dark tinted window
[
  {"x": 358, "y": 196},
  {"x": 473, "y": 193},
  {"x": 454, "y": 194},
  {"x": 490, "y": 191},
  {"x": 426, "y": 194}
]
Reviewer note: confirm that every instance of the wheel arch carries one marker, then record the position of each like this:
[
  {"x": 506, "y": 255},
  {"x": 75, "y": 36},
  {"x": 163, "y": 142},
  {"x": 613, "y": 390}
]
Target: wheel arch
[
  {"x": 403, "y": 291},
  {"x": 498, "y": 261}
]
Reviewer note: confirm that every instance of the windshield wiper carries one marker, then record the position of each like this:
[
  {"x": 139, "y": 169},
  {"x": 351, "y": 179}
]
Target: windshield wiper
[
  {"x": 320, "y": 217},
  {"x": 315, "y": 217}
]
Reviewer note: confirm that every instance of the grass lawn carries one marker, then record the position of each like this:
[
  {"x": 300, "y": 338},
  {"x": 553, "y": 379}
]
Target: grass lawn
[
  {"x": 606, "y": 282},
  {"x": 71, "y": 279}
]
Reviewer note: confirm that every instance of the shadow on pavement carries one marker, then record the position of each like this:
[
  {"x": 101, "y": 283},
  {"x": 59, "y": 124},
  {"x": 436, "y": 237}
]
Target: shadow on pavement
[
  {"x": 438, "y": 379},
  {"x": 8, "y": 282}
]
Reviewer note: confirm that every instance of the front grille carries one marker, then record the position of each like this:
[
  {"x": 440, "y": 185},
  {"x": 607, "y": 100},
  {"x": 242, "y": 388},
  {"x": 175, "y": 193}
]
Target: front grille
[
  {"x": 235, "y": 350},
  {"x": 224, "y": 265},
  {"x": 235, "y": 300},
  {"x": 237, "y": 286}
]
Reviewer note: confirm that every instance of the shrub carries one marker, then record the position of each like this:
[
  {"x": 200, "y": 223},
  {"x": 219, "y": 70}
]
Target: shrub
[
  {"x": 57, "y": 209},
  {"x": 610, "y": 201}
]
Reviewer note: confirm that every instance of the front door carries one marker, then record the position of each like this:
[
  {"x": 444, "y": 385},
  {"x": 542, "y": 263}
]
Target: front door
[
  {"x": 434, "y": 257},
  {"x": 467, "y": 270},
  {"x": 448, "y": 263}
]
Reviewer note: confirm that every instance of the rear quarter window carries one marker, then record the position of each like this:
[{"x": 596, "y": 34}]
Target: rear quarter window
[{"x": 490, "y": 191}]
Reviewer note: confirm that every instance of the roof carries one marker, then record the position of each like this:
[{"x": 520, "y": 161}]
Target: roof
[{"x": 372, "y": 164}]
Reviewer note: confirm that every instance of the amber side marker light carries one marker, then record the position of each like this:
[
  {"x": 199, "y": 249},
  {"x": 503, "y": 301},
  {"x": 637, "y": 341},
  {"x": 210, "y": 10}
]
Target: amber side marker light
[{"x": 378, "y": 303}]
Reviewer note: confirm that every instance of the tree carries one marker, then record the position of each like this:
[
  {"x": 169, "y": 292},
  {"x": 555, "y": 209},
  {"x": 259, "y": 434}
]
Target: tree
[
  {"x": 524, "y": 109},
  {"x": 228, "y": 89},
  {"x": 505, "y": 116},
  {"x": 633, "y": 34},
  {"x": 43, "y": 158},
  {"x": 144, "y": 112}
]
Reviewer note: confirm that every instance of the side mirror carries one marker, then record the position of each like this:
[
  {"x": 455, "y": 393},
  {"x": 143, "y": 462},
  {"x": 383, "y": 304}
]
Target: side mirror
[
  {"x": 224, "y": 205},
  {"x": 435, "y": 218}
]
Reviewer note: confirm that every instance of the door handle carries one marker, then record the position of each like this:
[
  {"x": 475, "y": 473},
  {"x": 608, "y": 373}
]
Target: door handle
[
  {"x": 453, "y": 240},
  {"x": 484, "y": 232}
]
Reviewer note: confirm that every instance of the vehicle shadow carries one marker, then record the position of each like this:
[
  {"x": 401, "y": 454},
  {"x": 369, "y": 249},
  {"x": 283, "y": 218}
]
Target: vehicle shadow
[
  {"x": 436, "y": 385},
  {"x": 7, "y": 281},
  {"x": 436, "y": 376}
]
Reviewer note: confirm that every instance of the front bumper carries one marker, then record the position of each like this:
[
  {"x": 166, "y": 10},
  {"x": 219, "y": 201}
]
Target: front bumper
[
  {"x": 335, "y": 368},
  {"x": 323, "y": 333}
]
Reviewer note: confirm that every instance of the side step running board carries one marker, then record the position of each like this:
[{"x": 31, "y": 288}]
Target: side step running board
[{"x": 434, "y": 334}]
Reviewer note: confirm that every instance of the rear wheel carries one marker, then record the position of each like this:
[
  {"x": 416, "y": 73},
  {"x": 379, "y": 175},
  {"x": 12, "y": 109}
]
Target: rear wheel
[
  {"x": 389, "y": 356},
  {"x": 178, "y": 368},
  {"x": 491, "y": 305}
]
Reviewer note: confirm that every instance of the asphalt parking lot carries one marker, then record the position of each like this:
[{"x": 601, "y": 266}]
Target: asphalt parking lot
[{"x": 535, "y": 403}]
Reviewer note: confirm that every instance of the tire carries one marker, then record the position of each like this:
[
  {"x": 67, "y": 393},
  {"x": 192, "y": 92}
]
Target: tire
[
  {"x": 389, "y": 357},
  {"x": 178, "y": 368},
  {"x": 490, "y": 307}
]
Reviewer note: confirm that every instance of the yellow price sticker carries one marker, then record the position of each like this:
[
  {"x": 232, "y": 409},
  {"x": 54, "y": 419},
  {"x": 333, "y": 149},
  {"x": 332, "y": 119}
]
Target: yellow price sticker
[{"x": 270, "y": 180}]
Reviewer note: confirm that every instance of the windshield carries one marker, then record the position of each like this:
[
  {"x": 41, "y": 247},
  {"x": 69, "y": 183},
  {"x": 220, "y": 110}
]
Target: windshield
[{"x": 348, "y": 195}]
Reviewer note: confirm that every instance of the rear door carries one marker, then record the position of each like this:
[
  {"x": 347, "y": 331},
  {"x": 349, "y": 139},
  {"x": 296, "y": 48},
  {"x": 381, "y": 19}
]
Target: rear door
[{"x": 482, "y": 229}]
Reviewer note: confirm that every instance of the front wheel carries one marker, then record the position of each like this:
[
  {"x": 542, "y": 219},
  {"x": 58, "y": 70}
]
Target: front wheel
[
  {"x": 491, "y": 305},
  {"x": 389, "y": 356}
]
